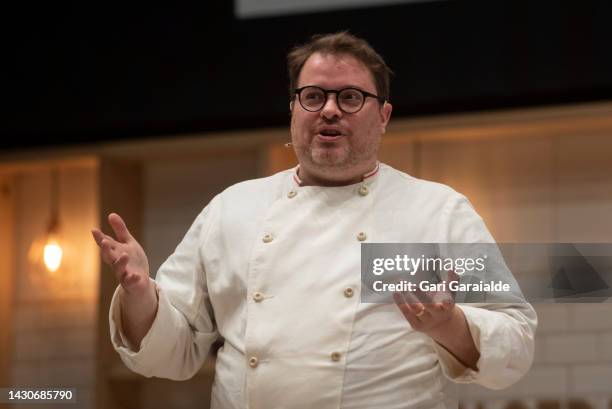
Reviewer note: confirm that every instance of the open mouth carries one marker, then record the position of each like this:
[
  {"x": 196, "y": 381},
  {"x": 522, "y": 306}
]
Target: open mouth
[{"x": 329, "y": 134}]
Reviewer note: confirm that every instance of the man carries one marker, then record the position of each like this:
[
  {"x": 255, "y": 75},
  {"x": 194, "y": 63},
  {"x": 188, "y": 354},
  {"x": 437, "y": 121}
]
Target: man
[{"x": 272, "y": 267}]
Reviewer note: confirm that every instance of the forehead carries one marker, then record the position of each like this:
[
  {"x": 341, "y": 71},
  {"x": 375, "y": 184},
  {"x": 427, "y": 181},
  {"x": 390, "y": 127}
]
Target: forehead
[{"x": 336, "y": 71}]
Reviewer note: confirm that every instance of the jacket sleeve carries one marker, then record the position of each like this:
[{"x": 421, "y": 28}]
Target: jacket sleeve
[
  {"x": 183, "y": 330},
  {"x": 503, "y": 332}
]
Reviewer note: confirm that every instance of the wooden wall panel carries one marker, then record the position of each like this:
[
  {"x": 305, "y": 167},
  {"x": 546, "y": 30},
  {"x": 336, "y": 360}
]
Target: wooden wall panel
[
  {"x": 7, "y": 237},
  {"x": 508, "y": 181},
  {"x": 583, "y": 188},
  {"x": 48, "y": 320},
  {"x": 120, "y": 186}
]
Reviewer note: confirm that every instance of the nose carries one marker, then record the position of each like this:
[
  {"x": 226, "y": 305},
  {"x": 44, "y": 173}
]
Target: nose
[{"x": 331, "y": 108}]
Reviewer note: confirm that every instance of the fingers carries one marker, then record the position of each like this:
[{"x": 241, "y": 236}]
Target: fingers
[
  {"x": 413, "y": 303},
  {"x": 413, "y": 312},
  {"x": 121, "y": 231},
  {"x": 119, "y": 267},
  {"x": 120, "y": 264},
  {"x": 427, "y": 311},
  {"x": 409, "y": 297},
  {"x": 98, "y": 236},
  {"x": 117, "y": 255},
  {"x": 424, "y": 297},
  {"x": 445, "y": 297},
  {"x": 452, "y": 276},
  {"x": 421, "y": 316},
  {"x": 108, "y": 248},
  {"x": 127, "y": 280}
]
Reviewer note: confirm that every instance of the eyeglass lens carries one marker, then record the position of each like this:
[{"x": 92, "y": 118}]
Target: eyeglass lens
[{"x": 349, "y": 100}]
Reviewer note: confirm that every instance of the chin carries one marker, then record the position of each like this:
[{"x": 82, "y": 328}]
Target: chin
[
  {"x": 330, "y": 163},
  {"x": 331, "y": 158}
]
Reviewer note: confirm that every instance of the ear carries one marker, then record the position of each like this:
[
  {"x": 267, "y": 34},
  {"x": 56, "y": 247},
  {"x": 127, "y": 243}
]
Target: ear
[
  {"x": 385, "y": 114},
  {"x": 290, "y": 106}
]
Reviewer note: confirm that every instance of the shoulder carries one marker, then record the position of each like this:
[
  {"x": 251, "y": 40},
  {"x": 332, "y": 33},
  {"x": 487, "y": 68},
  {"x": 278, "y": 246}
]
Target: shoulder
[
  {"x": 260, "y": 191},
  {"x": 243, "y": 202},
  {"x": 437, "y": 204},
  {"x": 405, "y": 186}
]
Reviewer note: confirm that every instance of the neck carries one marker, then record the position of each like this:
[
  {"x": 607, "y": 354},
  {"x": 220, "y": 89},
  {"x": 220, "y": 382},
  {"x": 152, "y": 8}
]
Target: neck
[{"x": 306, "y": 178}]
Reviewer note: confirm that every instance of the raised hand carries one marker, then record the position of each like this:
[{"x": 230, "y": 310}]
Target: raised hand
[
  {"x": 435, "y": 314},
  {"x": 427, "y": 311},
  {"x": 131, "y": 267},
  {"x": 125, "y": 255}
]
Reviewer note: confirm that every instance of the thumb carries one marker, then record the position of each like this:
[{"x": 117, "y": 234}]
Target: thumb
[
  {"x": 121, "y": 231},
  {"x": 452, "y": 277}
]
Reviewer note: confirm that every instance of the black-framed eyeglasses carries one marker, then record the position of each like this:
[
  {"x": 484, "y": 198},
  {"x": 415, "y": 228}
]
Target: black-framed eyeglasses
[{"x": 349, "y": 100}]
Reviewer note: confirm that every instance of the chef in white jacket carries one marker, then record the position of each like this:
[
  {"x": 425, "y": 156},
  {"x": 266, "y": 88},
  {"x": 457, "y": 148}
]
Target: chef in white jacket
[{"x": 272, "y": 268}]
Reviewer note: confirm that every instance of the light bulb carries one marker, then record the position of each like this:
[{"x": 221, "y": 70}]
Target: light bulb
[{"x": 52, "y": 255}]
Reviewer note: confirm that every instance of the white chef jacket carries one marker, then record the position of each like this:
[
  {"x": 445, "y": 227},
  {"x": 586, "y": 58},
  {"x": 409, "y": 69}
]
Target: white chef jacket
[{"x": 273, "y": 268}]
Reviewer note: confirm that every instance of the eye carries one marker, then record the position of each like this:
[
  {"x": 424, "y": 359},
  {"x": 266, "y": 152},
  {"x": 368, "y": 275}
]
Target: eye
[
  {"x": 351, "y": 96},
  {"x": 312, "y": 94}
]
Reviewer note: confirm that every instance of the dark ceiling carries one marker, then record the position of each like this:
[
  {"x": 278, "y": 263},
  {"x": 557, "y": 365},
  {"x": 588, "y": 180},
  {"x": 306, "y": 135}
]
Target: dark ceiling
[{"x": 82, "y": 75}]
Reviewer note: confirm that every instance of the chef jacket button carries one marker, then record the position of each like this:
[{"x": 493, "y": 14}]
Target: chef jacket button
[
  {"x": 291, "y": 194},
  {"x": 267, "y": 238},
  {"x": 253, "y": 362},
  {"x": 348, "y": 292},
  {"x": 258, "y": 297},
  {"x": 363, "y": 190},
  {"x": 361, "y": 236},
  {"x": 335, "y": 356}
]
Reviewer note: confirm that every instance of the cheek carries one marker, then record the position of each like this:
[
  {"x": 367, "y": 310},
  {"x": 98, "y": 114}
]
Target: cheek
[
  {"x": 370, "y": 130},
  {"x": 300, "y": 125},
  {"x": 295, "y": 127}
]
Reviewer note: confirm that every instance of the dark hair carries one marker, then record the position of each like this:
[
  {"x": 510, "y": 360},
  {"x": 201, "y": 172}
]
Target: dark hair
[{"x": 340, "y": 43}]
